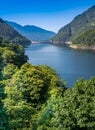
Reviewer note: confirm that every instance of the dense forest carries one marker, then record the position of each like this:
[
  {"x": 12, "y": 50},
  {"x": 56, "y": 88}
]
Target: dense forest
[
  {"x": 34, "y": 98},
  {"x": 11, "y": 35},
  {"x": 81, "y": 25},
  {"x": 86, "y": 38}
]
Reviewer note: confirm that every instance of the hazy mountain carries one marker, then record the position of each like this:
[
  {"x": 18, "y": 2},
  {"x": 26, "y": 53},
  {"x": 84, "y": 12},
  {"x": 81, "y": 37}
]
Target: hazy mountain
[
  {"x": 80, "y": 24},
  {"x": 32, "y": 32},
  {"x": 11, "y": 35}
]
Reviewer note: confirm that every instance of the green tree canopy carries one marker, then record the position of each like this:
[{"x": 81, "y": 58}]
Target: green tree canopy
[{"x": 74, "y": 111}]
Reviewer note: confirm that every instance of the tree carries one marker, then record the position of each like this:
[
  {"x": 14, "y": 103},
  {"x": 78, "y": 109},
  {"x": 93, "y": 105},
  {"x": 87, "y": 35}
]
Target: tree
[
  {"x": 9, "y": 70},
  {"x": 18, "y": 111},
  {"x": 27, "y": 91},
  {"x": 35, "y": 83},
  {"x": 4, "y": 124},
  {"x": 74, "y": 111},
  {"x": 8, "y": 56}
]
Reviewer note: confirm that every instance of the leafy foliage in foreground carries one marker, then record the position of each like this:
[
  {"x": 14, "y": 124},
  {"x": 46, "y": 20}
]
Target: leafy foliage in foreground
[
  {"x": 34, "y": 98},
  {"x": 27, "y": 93},
  {"x": 75, "y": 110}
]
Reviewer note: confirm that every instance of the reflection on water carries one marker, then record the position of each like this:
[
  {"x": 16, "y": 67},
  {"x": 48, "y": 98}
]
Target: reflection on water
[{"x": 70, "y": 64}]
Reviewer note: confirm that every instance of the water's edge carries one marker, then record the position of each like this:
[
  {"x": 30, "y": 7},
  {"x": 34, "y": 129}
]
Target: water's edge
[{"x": 69, "y": 63}]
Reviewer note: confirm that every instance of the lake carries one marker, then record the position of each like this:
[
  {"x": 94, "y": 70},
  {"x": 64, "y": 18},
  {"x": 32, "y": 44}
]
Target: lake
[{"x": 70, "y": 64}]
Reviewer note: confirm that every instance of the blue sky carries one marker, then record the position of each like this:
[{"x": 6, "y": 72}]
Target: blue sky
[{"x": 48, "y": 14}]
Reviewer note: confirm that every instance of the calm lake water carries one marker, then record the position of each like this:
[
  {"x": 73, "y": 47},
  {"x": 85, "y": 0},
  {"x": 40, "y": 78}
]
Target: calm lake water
[{"x": 69, "y": 63}]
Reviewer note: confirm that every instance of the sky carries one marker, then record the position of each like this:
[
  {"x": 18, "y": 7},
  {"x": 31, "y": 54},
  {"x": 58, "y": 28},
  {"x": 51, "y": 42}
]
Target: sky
[{"x": 47, "y": 14}]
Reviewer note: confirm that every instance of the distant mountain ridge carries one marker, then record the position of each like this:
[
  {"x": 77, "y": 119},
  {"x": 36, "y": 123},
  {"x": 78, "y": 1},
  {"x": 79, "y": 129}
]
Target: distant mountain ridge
[
  {"x": 32, "y": 32},
  {"x": 11, "y": 35},
  {"x": 80, "y": 24}
]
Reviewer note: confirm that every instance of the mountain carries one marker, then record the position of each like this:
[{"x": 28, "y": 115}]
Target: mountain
[
  {"x": 32, "y": 32},
  {"x": 11, "y": 35},
  {"x": 78, "y": 27}
]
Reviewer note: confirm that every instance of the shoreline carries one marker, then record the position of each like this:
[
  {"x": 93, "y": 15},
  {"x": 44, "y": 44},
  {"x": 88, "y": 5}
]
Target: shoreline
[{"x": 71, "y": 45}]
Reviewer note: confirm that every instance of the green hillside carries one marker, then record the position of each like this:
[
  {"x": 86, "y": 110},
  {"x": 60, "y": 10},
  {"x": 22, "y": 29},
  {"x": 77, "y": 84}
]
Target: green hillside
[
  {"x": 79, "y": 25},
  {"x": 86, "y": 38},
  {"x": 10, "y": 35}
]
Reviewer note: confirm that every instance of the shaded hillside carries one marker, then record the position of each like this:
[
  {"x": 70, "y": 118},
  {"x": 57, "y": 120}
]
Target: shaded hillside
[
  {"x": 11, "y": 35},
  {"x": 78, "y": 25},
  {"x": 86, "y": 38},
  {"x": 32, "y": 32}
]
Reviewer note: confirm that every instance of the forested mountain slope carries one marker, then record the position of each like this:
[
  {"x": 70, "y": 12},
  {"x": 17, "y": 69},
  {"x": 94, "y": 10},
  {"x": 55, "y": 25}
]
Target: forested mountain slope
[
  {"x": 79, "y": 25},
  {"x": 32, "y": 32},
  {"x": 11, "y": 35}
]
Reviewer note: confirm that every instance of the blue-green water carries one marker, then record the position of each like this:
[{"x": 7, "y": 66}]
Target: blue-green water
[{"x": 70, "y": 64}]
